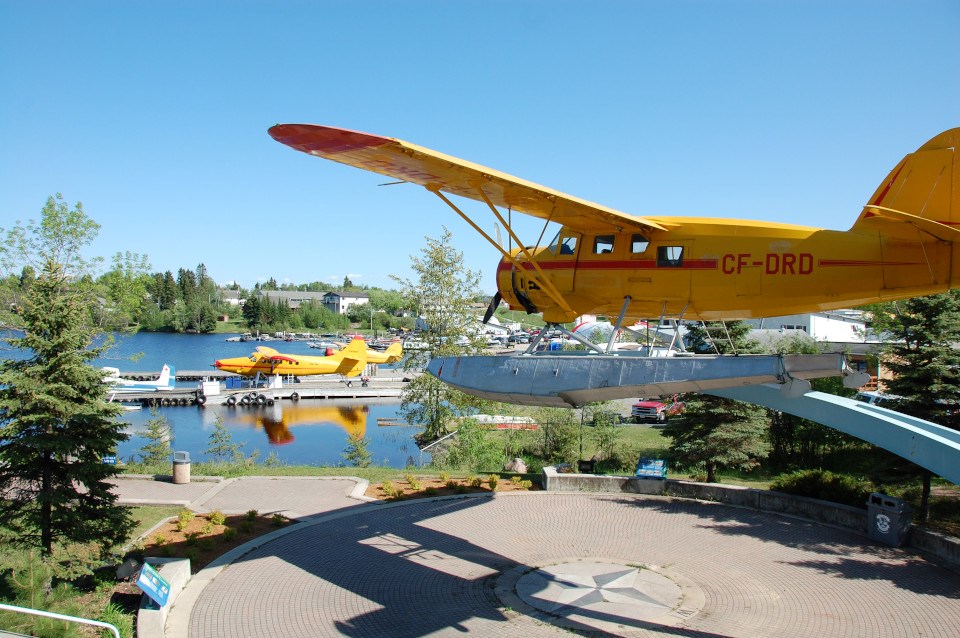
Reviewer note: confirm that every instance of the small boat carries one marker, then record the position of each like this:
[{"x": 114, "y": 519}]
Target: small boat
[{"x": 324, "y": 345}]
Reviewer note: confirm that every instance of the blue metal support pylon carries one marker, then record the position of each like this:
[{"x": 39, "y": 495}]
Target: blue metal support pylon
[{"x": 929, "y": 445}]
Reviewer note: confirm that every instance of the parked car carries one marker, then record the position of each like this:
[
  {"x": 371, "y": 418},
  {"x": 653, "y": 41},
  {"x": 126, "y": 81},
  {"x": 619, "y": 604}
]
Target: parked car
[
  {"x": 877, "y": 398},
  {"x": 657, "y": 411}
]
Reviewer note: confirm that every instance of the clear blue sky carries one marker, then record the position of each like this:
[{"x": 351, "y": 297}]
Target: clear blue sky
[{"x": 154, "y": 115}]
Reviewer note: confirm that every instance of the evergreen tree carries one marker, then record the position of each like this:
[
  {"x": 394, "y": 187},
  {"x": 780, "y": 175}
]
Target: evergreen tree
[
  {"x": 356, "y": 452},
  {"x": 168, "y": 294},
  {"x": 57, "y": 427},
  {"x": 441, "y": 293},
  {"x": 253, "y": 311},
  {"x": 55, "y": 424},
  {"x": 159, "y": 435},
  {"x": 718, "y": 432},
  {"x": 222, "y": 448},
  {"x": 925, "y": 364},
  {"x": 186, "y": 285},
  {"x": 729, "y": 337}
]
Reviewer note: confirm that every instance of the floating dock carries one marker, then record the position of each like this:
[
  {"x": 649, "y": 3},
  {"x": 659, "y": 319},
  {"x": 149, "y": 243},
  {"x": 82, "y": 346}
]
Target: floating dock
[{"x": 386, "y": 387}]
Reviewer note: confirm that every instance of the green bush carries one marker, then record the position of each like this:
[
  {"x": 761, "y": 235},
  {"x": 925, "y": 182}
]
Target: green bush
[
  {"x": 413, "y": 481},
  {"x": 825, "y": 485},
  {"x": 217, "y": 517}
]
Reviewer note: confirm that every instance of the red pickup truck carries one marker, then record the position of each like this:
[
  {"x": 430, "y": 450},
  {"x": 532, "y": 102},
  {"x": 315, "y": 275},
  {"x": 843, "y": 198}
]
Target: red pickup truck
[{"x": 657, "y": 410}]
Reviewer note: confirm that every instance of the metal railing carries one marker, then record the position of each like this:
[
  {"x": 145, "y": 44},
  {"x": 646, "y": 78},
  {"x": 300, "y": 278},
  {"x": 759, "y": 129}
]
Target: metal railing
[{"x": 50, "y": 614}]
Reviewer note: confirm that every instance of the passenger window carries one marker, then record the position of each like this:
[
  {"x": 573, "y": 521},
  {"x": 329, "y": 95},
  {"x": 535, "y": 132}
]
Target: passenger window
[
  {"x": 638, "y": 244},
  {"x": 602, "y": 244},
  {"x": 670, "y": 256}
]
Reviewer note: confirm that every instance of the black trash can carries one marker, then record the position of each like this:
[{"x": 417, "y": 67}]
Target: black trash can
[
  {"x": 181, "y": 468},
  {"x": 888, "y": 519}
]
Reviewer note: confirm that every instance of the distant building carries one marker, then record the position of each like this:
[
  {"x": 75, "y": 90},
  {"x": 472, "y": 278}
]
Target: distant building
[
  {"x": 339, "y": 302},
  {"x": 293, "y": 298},
  {"x": 839, "y": 330},
  {"x": 845, "y": 329},
  {"x": 231, "y": 297}
]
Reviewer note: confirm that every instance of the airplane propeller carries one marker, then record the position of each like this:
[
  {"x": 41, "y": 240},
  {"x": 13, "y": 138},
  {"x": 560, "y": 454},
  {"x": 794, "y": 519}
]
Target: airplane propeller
[{"x": 494, "y": 304}]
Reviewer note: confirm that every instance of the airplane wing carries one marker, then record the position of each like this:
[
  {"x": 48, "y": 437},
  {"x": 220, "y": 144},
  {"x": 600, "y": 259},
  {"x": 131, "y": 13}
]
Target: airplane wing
[
  {"x": 267, "y": 352},
  {"x": 438, "y": 172}
]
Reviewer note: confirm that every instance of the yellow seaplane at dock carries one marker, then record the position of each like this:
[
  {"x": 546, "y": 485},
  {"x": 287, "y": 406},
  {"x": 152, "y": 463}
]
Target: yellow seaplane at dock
[
  {"x": 350, "y": 362},
  {"x": 904, "y": 243},
  {"x": 392, "y": 354}
]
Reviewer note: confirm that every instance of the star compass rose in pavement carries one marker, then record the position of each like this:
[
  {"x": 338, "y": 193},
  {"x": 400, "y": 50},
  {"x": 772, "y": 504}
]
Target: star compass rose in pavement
[{"x": 609, "y": 596}]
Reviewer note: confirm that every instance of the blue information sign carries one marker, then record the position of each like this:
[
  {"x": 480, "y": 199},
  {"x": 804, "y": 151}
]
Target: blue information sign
[
  {"x": 651, "y": 468},
  {"x": 153, "y": 585}
]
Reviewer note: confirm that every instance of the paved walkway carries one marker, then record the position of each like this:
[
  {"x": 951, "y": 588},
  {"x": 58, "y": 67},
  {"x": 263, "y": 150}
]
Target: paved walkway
[
  {"x": 470, "y": 565},
  {"x": 295, "y": 497}
]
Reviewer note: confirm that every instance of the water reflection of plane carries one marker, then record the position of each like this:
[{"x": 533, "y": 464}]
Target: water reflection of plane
[{"x": 276, "y": 421}]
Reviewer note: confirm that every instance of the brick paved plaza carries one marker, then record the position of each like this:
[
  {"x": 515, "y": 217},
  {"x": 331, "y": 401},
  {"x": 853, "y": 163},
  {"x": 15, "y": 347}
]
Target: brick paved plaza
[{"x": 433, "y": 568}]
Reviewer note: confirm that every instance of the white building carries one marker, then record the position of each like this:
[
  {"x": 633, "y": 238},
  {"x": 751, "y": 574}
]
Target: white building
[
  {"x": 339, "y": 302},
  {"x": 845, "y": 328}
]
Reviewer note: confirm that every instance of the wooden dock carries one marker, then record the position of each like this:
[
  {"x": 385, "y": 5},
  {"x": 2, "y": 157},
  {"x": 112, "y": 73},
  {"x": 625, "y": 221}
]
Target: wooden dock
[{"x": 386, "y": 387}]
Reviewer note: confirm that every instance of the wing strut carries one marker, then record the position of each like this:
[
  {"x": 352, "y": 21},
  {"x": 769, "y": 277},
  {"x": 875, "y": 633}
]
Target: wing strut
[
  {"x": 619, "y": 324},
  {"x": 547, "y": 285}
]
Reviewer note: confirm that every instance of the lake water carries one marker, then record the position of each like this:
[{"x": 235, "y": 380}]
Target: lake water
[{"x": 311, "y": 432}]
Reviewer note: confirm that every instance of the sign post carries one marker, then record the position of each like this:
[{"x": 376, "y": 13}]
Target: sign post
[{"x": 153, "y": 585}]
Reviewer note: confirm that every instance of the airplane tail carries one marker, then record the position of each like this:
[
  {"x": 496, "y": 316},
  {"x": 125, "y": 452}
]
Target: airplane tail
[
  {"x": 168, "y": 377},
  {"x": 922, "y": 191},
  {"x": 353, "y": 358},
  {"x": 394, "y": 352}
]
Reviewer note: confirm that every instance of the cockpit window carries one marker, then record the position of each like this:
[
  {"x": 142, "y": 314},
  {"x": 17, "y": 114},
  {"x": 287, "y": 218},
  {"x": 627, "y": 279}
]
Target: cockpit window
[
  {"x": 563, "y": 245},
  {"x": 602, "y": 244},
  {"x": 638, "y": 244},
  {"x": 253, "y": 358}
]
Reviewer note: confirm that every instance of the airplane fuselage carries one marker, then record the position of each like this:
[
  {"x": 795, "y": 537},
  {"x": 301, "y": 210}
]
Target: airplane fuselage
[
  {"x": 900, "y": 246},
  {"x": 725, "y": 269},
  {"x": 300, "y": 366}
]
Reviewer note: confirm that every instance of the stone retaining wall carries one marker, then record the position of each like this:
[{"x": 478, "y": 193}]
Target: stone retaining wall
[
  {"x": 150, "y": 619},
  {"x": 945, "y": 549}
]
